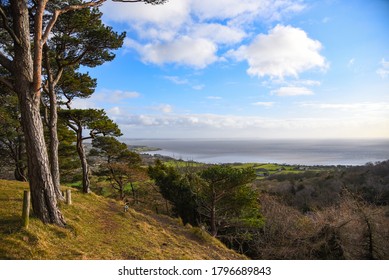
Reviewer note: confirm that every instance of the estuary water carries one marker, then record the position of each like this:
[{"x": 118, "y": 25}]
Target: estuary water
[{"x": 292, "y": 151}]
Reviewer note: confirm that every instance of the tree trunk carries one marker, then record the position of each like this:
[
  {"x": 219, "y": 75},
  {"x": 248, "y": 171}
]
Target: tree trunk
[
  {"x": 84, "y": 162},
  {"x": 44, "y": 202},
  {"x": 43, "y": 196},
  {"x": 133, "y": 193},
  {"x": 121, "y": 191},
  {"x": 20, "y": 172},
  {"x": 54, "y": 143},
  {"x": 213, "y": 219},
  {"x": 53, "y": 131}
]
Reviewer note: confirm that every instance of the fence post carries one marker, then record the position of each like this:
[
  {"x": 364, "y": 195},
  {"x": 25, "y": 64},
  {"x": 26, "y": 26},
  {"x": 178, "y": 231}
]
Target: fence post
[
  {"x": 26, "y": 209},
  {"x": 68, "y": 197}
]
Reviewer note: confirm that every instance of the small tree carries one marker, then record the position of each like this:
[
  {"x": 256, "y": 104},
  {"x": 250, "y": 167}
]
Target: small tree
[
  {"x": 176, "y": 188},
  {"x": 67, "y": 152},
  {"x": 98, "y": 123},
  {"x": 121, "y": 166},
  {"x": 225, "y": 200}
]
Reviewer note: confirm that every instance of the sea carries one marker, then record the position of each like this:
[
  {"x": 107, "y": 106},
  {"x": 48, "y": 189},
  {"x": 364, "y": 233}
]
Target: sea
[{"x": 282, "y": 151}]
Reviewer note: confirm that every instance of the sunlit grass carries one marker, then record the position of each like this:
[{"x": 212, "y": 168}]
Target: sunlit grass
[{"x": 98, "y": 228}]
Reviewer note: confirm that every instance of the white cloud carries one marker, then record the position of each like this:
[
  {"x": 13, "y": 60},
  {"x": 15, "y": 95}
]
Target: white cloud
[
  {"x": 214, "y": 97},
  {"x": 169, "y": 16},
  {"x": 285, "y": 51},
  {"x": 218, "y": 33},
  {"x": 164, "y": 108},
  {"x": 363, "y": 106},
  {"x": 308, "y": 82},
  {"x": 292, "y": 91},
  {"x": 351, "y": 62},
  {"x": 197, "y": 53},
  {"x": 177, "y": 80},
  {"x": 84, "y": 103},
  {"x": 198, "y": 87},
  {"x": 114, "y": 111},
  {"x": 165, "y": 33},
  {"x": 264, "y": 104},
  {"x": 383, "y": 71},
  {"x": 245, "y": 10},
  {"x": 206, "y": 125},
  {"x": 114, "y": 96},
  {"x": 102, "y": 97}
]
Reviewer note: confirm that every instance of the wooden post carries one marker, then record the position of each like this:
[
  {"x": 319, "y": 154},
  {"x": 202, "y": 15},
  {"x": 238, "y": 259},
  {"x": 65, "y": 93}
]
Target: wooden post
[
  {"x": 68, "y": 197},
  {"x": 26, "y": 209}
]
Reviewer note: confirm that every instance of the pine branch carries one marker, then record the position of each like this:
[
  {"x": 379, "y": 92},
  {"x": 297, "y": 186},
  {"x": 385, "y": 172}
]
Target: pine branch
[
  {"x": 7, "y": 28},
  {"x": 69, "y": 8},
  {"x": 7, "y": 83},
  {"x": 6, "y": 62}
]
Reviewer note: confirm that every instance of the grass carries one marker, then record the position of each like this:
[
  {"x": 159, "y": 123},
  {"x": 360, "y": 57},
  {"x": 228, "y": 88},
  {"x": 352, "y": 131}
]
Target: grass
[
  {"x": 98, "y": 228},
  {"x": 266, "y": 169}
]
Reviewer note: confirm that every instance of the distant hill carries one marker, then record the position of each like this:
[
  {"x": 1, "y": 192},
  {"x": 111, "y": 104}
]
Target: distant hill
[{"x": 98, "y": 228}]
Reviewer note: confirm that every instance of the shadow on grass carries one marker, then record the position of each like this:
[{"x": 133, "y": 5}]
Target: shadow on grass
[
  {"x": 11, "y": 225},
  {"x": 11, "y": 199}
]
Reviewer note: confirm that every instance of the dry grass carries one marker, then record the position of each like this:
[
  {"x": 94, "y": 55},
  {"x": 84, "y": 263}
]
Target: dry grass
[{"x": 98, "y": 228}]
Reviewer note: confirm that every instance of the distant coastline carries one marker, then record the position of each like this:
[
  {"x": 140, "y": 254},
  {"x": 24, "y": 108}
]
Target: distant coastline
[{"x": 284, "y": 151}]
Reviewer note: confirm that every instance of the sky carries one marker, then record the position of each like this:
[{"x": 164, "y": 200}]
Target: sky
[{"x": 247, "y": 69}]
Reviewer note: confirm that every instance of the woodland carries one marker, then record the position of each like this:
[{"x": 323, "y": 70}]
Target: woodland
[{"x": 329, "y": 213}]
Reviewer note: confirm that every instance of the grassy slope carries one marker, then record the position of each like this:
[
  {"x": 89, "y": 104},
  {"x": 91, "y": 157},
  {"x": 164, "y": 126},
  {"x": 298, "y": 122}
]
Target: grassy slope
[{"x": 99, "y": 229}]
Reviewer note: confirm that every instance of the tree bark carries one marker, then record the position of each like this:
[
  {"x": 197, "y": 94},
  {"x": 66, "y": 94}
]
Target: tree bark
[
  {"x": 213, "y": 219},
  {"x": 53, "y": 130},
  {"x": 54, "y": 143},
  {"x": 20, "y": 166},
  {"x": 84, "y": 162},
  {"x": 43, "y": 197}
]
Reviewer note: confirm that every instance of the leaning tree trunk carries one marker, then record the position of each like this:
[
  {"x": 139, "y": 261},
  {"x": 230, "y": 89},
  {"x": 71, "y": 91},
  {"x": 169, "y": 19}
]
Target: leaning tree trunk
[
  {"x": 53, "y": 130},
  {"x": 54, "y": 143},
  {"x": 44, "y": 202},
  {"x": 84, "y": 162}
]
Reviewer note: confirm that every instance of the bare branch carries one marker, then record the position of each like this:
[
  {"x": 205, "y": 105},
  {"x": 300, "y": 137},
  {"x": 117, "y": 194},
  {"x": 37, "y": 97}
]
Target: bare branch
[
  {"x": 7, "y": 83},
  {"x": 9, "y": 30},
  {"x": 73, "y": 126},
  {"x": 58, "y": 77},
  {"x": 6, "y": 62}
]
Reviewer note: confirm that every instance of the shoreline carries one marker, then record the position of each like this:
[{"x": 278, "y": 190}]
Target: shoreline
[{"x": 306, "y": 153}]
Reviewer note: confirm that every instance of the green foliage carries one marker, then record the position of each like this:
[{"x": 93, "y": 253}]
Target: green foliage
[
  {"x": 113, "y": 150},
  {"x": 219, "y": 197},
  {"x": 95, "y": 120},
  {"x": 175, "y": 188},
  {"x": 80, "y": 37},
  {"x": 121, "y": 167},
  {"x": 75, "y": 85},
  {"x": 226, "y": 199},
  {"x": 68, "y": 162},
  {"x": 12, "y": 143}
]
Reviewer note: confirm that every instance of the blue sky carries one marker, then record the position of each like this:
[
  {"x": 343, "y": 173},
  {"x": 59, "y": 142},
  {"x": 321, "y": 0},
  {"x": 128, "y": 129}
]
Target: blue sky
[{"x": 248, "y": 69}]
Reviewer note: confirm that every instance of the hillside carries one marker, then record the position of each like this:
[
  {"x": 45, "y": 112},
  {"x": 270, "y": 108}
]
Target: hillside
[{"x": 98, "y": 228}]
